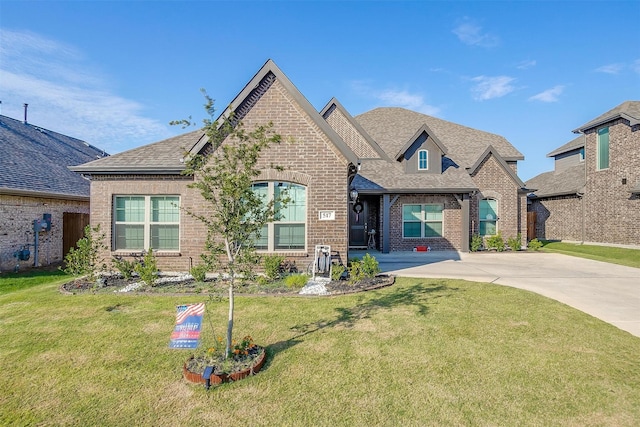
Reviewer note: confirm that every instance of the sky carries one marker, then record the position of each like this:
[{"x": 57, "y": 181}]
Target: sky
[{"x": 115, "y": 73}]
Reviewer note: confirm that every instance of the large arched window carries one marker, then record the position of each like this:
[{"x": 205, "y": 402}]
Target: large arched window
[
  {"x": 488, "y": 217},
  {"x": 288, "y": 231}
]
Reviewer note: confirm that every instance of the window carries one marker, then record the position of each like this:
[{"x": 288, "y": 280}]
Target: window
[
  {"x": 581, "y": 154},
  {"x": 488, "y": 217},
  {"x": 147, "y": 222},
  {"x": 288, "y": 231},
  {"x": 423, "y": 160},
  {"x": 420, "y": 221},
  {"x": 603, "y": 149}
]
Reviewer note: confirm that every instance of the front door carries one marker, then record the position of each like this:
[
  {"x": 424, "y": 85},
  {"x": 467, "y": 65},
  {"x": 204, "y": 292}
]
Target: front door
[{"x": 358, "y": 227}]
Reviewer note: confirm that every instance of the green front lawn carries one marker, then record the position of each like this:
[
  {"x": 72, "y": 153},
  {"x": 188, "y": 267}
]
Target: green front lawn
[
  {"x": 422, "y": 352},
  {"x": 614, "y": 255}
]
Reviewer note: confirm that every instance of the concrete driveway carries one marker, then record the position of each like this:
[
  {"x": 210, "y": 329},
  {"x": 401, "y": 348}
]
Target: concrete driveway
[{"x": 609, "y": 292}]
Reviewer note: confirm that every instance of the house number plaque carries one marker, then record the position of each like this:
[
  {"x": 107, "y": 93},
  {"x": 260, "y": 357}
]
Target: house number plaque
[{"x": 327, "y": 215}]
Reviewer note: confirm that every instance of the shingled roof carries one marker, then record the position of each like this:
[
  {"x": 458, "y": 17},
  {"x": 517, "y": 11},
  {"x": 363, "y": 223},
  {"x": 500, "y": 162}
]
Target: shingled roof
[
  {"x": 629, "y": 110},
  {"x": 167, "y": 156},
  {"x": 392, "y": 127},
  {"x": 35, "y": 161},
  {"x": 574, "y": 144},
  {"x": 395, "y": 129},
  {"x": 568, "y": 181},
  {"x": 159, "y": 158}
]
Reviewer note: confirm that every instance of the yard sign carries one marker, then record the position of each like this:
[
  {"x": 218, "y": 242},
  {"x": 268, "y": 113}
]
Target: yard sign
[{"x": 186, "y": 333}]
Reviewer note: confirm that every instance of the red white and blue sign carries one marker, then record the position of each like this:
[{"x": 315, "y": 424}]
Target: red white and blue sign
[{"x": 186, "y": 333}]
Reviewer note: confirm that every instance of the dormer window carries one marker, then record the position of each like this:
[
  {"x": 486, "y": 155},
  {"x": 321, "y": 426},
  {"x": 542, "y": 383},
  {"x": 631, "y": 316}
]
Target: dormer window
[{"x": 423, "y": 160}]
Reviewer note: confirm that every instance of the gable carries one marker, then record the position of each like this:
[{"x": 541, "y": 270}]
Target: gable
[
  {"x": 413, "y": 158},
  {"x": 498, "y": 167},
  {"x": 268, "y": 97},
  {"x": 351, "y": 132},
  {"x": 267, "y": 80}
]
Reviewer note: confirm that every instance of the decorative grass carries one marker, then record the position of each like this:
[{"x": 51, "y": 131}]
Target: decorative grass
[
  {"x": 422, "y": 352},
  {"x": 614, "y": 255}
]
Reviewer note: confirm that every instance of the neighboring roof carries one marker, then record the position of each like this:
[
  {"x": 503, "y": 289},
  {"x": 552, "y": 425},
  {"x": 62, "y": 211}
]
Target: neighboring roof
[
  {"x": 163, "y": 157},
  {"x": 492, "y": 151},
  {"x": 167, "y": 157},
  {"x": 392, "y": 127},
  {"x": 574, "y": 144},
  {"x": 565, "y": 182},
  {"x": 34, "y": 161},
  {"x": 629, "y": 110},
  {"x": 354, "y": 135}
]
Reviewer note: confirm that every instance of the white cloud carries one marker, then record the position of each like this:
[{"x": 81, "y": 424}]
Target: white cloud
[
  {"x": 549, "y": 95},
  {"x": 469, "y": 32},
  {"x": 524, "y": 65},
  {"x": 67, "y": 95},
  {"x": 492, "y": 87},
  {"x": 635, "y": 66},
  {"x": 396, "y": 98},
  {"x": 611, "y": 68}
]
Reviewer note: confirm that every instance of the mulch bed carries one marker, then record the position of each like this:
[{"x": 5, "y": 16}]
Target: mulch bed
[{"x": 115, "y": 283}]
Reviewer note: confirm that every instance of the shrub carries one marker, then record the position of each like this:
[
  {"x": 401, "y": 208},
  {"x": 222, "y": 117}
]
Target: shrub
[
  {"x": 370, "y": 266},
  {"x": 147, "y": 268},
  {"x": 296, "y": 281},
  {"x": 85, "y": 258},
  {"x": 476, "y": 243},
  {"x": 272, "y": 266},
  {"x": 515, "y": 243},
  {"x": 495, "y": 242},
  {"x": 337, "y": 270},
  {"x": 535, "y": 245},
  {"x": 199, "y": 272},
  {"x": 126, "y": 268},
  {"x": 356, "y": 272}
]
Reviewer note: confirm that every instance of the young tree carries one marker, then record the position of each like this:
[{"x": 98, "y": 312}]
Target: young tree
[{"x": 236, "y": 214}]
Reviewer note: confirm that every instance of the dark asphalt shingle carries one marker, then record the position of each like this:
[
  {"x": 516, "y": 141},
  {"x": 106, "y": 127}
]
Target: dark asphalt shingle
[{"x": 34, "y": 159}]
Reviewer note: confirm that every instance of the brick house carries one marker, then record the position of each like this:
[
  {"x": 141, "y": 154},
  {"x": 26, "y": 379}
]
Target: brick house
[
  {"x": 593, "y": 193},
  {"x": 415, "y": 179},
  {"x": 39, "y": 196}
]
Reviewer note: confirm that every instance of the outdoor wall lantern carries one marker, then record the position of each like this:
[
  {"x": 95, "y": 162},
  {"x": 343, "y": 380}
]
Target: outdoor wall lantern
[{"x": 353, "y": 194}]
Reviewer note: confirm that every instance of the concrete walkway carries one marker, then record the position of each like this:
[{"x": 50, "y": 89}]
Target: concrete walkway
[{"x": 609, "y": 292}]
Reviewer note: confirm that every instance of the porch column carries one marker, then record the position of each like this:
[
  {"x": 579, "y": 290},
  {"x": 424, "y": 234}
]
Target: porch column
[
  {"x": 466, "y": 223},
  {"x": 386, "y": 208}
]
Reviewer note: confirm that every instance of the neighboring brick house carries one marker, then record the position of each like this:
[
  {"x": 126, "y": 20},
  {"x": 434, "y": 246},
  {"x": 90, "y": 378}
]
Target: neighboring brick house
[
  {"x": 593, "y": 193},
  {"x": 420, "y": 181},
  {"x": 34, "y": 181}
]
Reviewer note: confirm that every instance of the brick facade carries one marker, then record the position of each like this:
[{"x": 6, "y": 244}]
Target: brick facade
[
  {"x": 607, "y": 212},
  {"x": 612, "y": 213},
  {"x": 451, "y": 224},
  {"x": 17, "y": 214},
  {"x": 494, "y": 183},
  {"x": 558, "y": 218},
  {"x": 305, "y": 153}
]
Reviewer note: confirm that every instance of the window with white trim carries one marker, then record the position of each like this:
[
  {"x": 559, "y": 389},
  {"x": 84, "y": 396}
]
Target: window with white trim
[
  {"x": 603, "y": 149},
  {"x": 146, "y": 222},
  {"x": 288, "y": 231},
  {"x": 423, "y": 160},
  {"x": 420, "y": 221},
  {"x": 488, "y": 217}
]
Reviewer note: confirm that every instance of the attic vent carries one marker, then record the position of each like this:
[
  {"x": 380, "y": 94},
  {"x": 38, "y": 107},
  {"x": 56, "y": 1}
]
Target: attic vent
[{"x": 254, "y": 96}]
